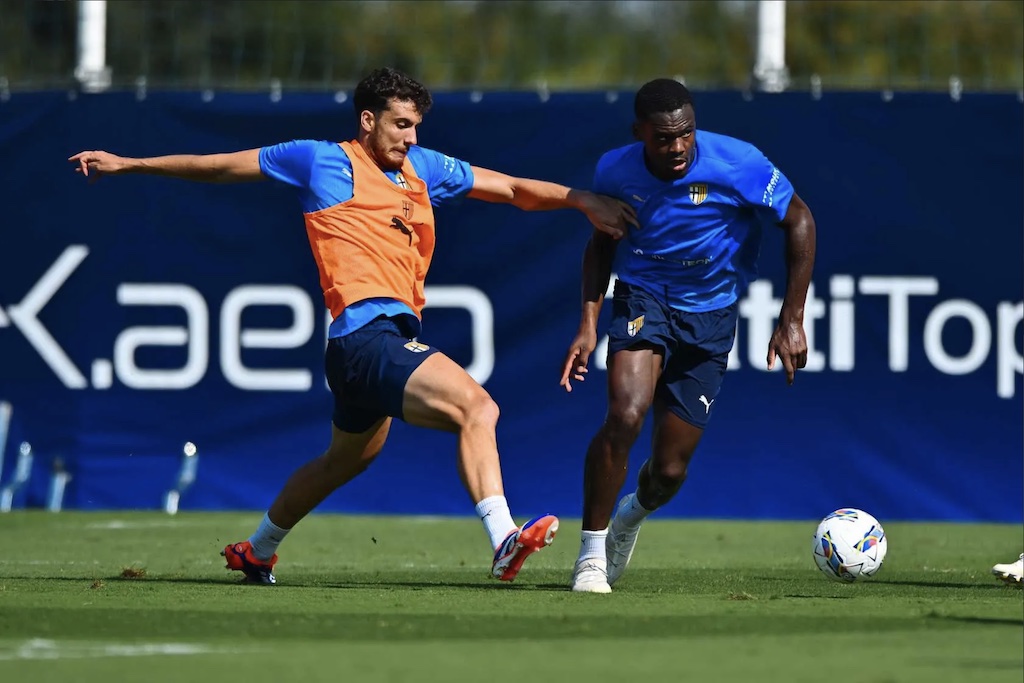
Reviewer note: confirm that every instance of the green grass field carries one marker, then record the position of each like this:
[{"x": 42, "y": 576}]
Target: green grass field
[{"x": 374, "y": 599}]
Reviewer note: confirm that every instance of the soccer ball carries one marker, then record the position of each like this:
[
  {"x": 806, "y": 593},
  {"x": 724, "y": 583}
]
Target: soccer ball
[{"x": 849, "y": 545}]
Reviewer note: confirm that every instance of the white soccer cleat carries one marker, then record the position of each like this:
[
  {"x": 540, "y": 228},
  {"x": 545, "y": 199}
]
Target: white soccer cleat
[
  {"x": 1010, "y": 572},
  {"x": 620, "y": 542},
  {"x": 590, "y": 575}
]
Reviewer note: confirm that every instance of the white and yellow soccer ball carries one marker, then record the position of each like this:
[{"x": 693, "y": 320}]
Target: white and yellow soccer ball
[{"x": 849, "y": 545}]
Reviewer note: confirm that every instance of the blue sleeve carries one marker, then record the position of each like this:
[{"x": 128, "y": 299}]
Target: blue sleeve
[
  {"x": 447, "y": 178},
  {"x": 602, "y": 183},
  {"x": 289, "y": 162},
  {"x": 764, "y": 188},
  {"x": 320, "y": 170}
]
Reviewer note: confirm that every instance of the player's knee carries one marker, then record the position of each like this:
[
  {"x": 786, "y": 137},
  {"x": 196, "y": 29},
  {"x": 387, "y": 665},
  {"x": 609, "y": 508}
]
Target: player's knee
[
  {"x": 479, "y": 410},
  {"x": 355, "y": 468},
  {"x": 669, "y": 474},
  {"x": 624, "y": 422},
  {"x": 342, "y": 463}
]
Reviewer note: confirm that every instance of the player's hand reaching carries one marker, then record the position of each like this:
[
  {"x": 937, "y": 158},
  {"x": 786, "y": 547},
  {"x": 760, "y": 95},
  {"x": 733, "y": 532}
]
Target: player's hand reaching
[
  {"x": 579, "y": 355},
  {"x": 97, "y": 163},
  {"x": 608, "y": 215},
  {"x": 789, "y": 343}
]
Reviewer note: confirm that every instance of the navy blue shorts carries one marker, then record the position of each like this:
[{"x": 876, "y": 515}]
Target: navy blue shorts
[
  {"x": 368, "y": 369},
  {"x": 696, "y": 347}
]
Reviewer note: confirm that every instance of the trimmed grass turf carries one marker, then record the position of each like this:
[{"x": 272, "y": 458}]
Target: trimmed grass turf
[{"x": 374, "y": 599}]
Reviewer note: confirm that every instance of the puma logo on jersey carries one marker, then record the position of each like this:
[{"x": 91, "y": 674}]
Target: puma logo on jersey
[
  {"x": 397, "y": 224},
  {"x": 707, "y": 404},
  {"x": 634, "y": 325}
]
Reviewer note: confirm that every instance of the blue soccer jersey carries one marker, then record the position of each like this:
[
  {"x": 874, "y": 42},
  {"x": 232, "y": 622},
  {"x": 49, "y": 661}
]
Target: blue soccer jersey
[
  {"x": 322, "y": 173},
  {"x": 699, "y": 236}
]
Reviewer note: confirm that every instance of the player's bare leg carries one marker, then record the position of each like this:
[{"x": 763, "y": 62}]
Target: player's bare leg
[
  {"x": 347, "y": 456},
  {"x": 660, "y": 478},
  {"x": 674, "y": 443},
  {"x": 441, "y": 395},
  {"x": 632, "y": 377}
]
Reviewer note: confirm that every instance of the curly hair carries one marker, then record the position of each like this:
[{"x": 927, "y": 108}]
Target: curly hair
[
  {"x": 659, "y": 96},
  {"x": 381, "y": 85}
]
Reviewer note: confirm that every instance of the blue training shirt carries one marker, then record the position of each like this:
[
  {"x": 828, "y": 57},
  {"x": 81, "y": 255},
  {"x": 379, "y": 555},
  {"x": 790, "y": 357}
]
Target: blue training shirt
[
  {"x": 699, "y": 236},
  {"x": 322, "y": 172}
]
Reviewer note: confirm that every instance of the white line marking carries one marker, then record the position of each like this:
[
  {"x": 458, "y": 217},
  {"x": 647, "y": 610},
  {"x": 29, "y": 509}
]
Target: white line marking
[
  {"x": 40, "y": 648},
  {"x": 121, "y": 524},
  {"x": 15, "y": 563}
]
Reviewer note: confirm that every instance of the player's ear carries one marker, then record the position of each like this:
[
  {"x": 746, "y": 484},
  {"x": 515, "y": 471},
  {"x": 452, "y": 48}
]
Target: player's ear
[
  {"x": 636, "y": 130},
  {"x": 367, "y": 120}
]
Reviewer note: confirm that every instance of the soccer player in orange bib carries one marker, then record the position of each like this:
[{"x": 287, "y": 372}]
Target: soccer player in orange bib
[{"x": 368, "y": 208}]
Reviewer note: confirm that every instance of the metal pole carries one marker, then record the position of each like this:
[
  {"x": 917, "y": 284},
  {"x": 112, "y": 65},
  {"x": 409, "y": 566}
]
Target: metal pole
[
  {"x": 187, "y": 475},
  {"x": 22, "y": 472},
  {"x": 770, "y": 72},
  {"x": 58, "y": 483},
  {"x": 91, "y": 70},
  {"x": 5, "y": 425}
]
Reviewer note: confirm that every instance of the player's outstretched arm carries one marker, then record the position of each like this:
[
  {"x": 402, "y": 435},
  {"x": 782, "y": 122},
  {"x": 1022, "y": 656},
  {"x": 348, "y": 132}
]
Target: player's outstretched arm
[
  {"x": 789, "y": 341},
  {"x": 233, "y": 167},
  {"x": 607, "y": 215},
  {"x": 597, "y": 270}
]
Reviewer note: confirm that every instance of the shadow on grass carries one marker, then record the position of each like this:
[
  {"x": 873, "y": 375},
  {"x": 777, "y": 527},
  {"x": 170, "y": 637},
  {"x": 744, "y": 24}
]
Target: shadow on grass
[
  {"x": 643, "y": 582},
  {"x": 818, "y": 597},
  {"x": 292, "y": 583}
]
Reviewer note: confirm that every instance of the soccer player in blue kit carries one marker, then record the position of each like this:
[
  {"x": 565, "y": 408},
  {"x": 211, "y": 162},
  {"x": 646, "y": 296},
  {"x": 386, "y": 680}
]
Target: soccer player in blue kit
[{"x": 701, "y": 199}]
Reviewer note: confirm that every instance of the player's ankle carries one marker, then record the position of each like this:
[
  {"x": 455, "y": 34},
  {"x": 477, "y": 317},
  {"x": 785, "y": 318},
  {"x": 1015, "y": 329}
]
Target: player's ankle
[{"x": 592, "y": 544}]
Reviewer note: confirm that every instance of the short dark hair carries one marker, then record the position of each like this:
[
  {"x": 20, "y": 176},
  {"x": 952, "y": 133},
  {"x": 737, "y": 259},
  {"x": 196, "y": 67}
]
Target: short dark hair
[
  {"x": 381, "y": 85},
  {"x": 659, "y": 96}
]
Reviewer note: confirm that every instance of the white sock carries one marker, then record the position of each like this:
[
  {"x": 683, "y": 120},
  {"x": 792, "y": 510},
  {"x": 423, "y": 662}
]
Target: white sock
[
  {"x": 633, "y": 513},
  {"x": 497, "y": 519},
  {"x": 266, "y": 539},
  {"x": 592, "y": 545}
]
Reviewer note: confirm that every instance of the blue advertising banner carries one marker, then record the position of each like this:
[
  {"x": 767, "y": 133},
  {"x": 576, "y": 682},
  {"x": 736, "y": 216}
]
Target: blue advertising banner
[{"x": 140, "y": 313}]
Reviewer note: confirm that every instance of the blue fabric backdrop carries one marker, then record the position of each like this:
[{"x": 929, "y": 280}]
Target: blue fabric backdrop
[{"x": 131, "y": 310}]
